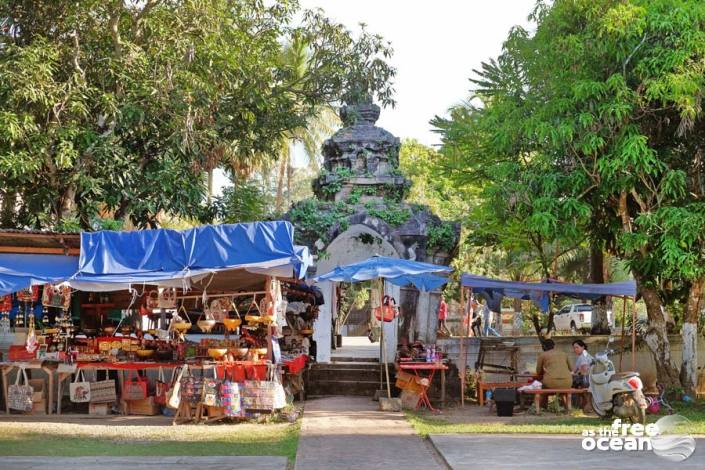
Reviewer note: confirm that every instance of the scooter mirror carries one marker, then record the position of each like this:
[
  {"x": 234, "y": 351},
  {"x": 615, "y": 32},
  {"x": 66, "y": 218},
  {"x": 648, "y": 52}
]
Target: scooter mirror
[{"x": 610, "y": 339}]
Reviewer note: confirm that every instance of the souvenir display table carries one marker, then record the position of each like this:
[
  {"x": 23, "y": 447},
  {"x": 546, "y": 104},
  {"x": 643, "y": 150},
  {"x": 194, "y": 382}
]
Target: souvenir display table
[
  {"x": 47, "y": 367},
  {"x": 430, "y": 369}
]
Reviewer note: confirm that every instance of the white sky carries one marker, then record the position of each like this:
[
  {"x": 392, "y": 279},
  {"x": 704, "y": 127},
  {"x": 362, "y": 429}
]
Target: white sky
[{"x": 436, "y": 45}]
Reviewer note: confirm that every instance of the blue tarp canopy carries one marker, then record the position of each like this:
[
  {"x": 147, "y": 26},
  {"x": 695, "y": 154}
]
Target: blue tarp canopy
[
  {"x": 493, "y": 290},
  {"x": 115, "y": 260},
  {"x": 20, "y": 271},
  {"x": 397, "y": 271}
]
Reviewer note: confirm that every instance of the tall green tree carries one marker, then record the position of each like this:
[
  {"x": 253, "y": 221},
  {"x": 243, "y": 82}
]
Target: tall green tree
[
  {"x": 125, "y": 106},
  {"x": 601, "y": 103}
]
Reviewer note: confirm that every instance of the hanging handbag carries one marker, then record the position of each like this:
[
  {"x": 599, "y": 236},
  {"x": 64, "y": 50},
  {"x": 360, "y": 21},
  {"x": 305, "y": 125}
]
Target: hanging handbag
[
  {"x": 192, "y": 389},
  {"x": 388, "y": 311},
  {"x": 134, "y": 388},
  {"x": 152, "y": 301},
  {"x": 167, "y": 298},
  {"x": 174, "y": 393},
  {"x": 103, "y": 391},
  {"x": 19, "y": 397},
  {"x": 6, "y": 303},
  {"x": 210, "y": 390},
  {"x": 161, "y": 387},
  {"x": 229, "y": 397},
  {"x": 80, "y": 390}
]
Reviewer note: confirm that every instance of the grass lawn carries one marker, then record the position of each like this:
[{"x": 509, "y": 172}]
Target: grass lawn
[
  {"x": 78, "y": 439},
  {"x": 478, "y": 420}
]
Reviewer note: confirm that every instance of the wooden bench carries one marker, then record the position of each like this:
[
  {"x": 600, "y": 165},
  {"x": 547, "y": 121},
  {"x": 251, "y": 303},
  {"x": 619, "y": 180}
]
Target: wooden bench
[{"x": 565, "y": 392}]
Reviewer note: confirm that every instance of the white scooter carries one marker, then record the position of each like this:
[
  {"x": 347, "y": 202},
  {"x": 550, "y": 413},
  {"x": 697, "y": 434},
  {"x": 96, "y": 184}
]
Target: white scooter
[{"x": 616, "y": 394}]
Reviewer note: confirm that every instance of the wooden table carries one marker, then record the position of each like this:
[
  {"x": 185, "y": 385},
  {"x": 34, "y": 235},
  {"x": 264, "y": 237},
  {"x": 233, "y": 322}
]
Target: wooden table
[
  {"x": 7, "y": 368},
  {"x": 430, "y": 368}
]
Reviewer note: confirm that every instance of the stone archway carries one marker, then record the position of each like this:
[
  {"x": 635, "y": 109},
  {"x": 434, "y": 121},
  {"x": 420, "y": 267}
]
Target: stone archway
[{"x": 357, "y": 243}]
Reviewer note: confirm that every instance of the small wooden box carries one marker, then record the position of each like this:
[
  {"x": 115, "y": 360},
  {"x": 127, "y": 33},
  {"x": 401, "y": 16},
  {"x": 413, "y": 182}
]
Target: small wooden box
[
  {"x": 39, "y": 407},
  {"x": 145, "y": 407},
  {"x": 38, "y": 385},
  {"x": 99, "y": 409}
]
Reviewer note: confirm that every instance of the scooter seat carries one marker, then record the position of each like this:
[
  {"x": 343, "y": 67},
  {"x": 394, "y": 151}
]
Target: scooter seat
[{"x": 623, "y": 375}]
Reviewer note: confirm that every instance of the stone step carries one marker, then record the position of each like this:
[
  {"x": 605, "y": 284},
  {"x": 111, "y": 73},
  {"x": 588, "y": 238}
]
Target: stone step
[
  {"x": 322, "y": 388},
  {"x": 335, "y": 359},
  {"x": 346, "y": 366},
  {"x": 367, "y": 374}
]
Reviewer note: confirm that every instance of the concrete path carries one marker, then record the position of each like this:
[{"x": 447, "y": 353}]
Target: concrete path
[
  {"x": 142, "y": 463},
  {"x": 520, "y": 452},
  {"x": 357, "y": 346},
  {"x": 349, "y": 433}
]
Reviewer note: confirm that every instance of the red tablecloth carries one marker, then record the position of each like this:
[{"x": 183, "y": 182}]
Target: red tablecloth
[
  {"x": 422, "y": 366},
  {"x": 239, "y": 371},
  {"x": 297, "y": 364}
]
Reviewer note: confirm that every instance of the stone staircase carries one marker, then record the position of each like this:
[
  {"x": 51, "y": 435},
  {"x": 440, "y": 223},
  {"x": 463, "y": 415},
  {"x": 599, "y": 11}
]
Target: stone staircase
[{"x": 354, "y": 376}]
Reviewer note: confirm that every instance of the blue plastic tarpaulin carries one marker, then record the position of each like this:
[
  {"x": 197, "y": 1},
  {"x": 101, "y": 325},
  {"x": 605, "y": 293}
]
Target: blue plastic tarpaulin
[
  {"x": 397, "y": 271},
  {"x": 494, "y": 289},
  {"x": 20, "y": 271},
  {"x": 169, "y": 257}
]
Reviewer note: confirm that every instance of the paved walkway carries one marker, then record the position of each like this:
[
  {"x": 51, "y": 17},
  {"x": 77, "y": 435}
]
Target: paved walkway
[
  {"x": 357, "y": 346},
  {"x": 521, "y": 452},
  {"x": 142, "y": 463},
  {"x": 350, "y": 433}
]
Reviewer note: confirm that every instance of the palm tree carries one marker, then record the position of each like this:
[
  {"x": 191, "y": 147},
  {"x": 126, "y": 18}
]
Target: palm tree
[{"x": 311, "y": 136}]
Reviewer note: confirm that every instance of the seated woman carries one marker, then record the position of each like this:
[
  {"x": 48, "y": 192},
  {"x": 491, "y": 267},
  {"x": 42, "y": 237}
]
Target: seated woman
[
  {"x": 554, "y": 367},
  {"x": 582, "y": 364}
]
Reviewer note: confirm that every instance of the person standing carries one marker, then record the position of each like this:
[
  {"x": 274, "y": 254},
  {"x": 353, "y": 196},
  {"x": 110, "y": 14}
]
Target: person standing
[
  {"x": 442, "y": 316},
  {"x": 487, "y": 320}
]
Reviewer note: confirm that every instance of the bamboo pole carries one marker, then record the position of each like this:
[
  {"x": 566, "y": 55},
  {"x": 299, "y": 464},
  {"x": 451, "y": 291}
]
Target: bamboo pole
[{"x": 384, "y": 352}]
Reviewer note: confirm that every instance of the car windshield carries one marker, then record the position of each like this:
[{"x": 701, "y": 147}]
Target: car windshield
[{"x": 584, "y": 308}]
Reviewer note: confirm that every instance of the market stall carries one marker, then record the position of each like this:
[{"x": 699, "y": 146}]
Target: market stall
[
  {"x": 541, "y": 294},
  {"x": 147, "y": 317}
]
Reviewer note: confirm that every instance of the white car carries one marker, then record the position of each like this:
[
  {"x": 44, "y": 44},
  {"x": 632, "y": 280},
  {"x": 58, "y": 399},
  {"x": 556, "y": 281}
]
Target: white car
[{"x": 574, "y": 318}]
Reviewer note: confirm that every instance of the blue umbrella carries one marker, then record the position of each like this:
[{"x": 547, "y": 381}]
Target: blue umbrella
[{"x": 406, "y": 271}]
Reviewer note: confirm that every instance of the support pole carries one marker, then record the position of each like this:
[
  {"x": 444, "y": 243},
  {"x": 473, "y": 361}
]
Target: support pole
[
  {"x": 624, "y": 322},
  {"x": 634, "y": 334},
  {"x": 462, "y": 346}
]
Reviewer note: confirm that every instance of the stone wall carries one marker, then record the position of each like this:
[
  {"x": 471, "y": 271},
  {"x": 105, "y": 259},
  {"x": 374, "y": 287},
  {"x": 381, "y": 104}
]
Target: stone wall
[{"x": 530, "y": 348}]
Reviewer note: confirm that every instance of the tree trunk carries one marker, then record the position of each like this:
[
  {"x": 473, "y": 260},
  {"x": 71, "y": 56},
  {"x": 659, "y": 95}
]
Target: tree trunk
[
  {"x": 9, "y": 201},
  {"x": 279, "y": 199},
  {"x": 689, "y": 333},
  {"x": 518, "y": 319},
  {"x": 600, "y": 322},
  {"x": 657, "y": 339}
]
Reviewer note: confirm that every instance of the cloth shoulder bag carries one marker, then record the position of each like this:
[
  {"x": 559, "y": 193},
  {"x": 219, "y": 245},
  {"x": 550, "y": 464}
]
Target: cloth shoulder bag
[
  {"x": 161, "y": 388},
  {"x": 210, "y": 390},
  {"x": 19, "y": 396},
  {"x": 134, "y": 388},
  {"x": 388, "y": 311},
  {"x": 103, "y": 391},
  {"x": 80, "y": 389}
]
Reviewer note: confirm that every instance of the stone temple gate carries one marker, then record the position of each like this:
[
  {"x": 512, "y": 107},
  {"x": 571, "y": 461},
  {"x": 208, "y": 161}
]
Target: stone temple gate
[{"x": 360, "y": 210}]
